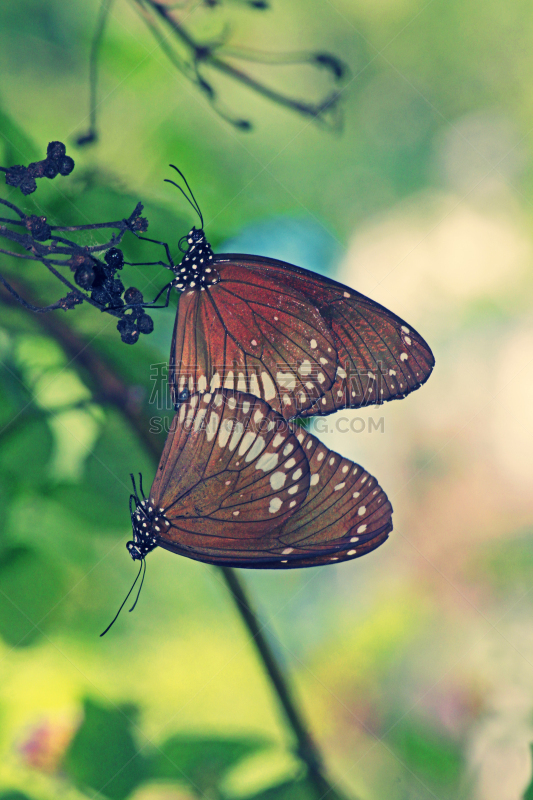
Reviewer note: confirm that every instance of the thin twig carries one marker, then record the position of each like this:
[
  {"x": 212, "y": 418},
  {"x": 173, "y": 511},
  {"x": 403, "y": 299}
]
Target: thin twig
[
  {"x": 306, "y": 749},
  {"x": 103, "y": 14},
  {"x": 205, "y": 55}
]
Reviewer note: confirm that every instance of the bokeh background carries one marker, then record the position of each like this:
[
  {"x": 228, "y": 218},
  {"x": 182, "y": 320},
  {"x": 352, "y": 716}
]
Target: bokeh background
[{"x": 413, "y": 665}]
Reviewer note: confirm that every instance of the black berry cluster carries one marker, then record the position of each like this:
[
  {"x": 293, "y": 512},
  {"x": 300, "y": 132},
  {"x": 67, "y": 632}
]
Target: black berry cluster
[
  {"x": 134, "y": 321},
  {"x": 38, "y": 228},
  {"x": 56, "y": 163},
  {"x": 108, "y": 291}
]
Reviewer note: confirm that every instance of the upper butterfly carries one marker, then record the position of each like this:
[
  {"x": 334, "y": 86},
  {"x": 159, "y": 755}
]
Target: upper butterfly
[{"x": 304, "y": 343}]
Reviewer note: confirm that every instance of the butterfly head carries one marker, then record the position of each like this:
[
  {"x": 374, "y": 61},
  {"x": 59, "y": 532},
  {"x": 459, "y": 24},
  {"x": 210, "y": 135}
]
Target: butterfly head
[
  {"x": 148, "y": 523},
  {"x": 195, "y": 236}
]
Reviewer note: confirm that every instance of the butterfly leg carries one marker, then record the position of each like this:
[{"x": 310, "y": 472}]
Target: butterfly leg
[
  {"x": 141, "y": 486},
  {"x": 170, "y": 264},
  {"x": 166, "y": 289}
]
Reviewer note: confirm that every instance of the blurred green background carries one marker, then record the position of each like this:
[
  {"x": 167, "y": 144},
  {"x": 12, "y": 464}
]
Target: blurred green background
[{"x": 413, "y": 665}]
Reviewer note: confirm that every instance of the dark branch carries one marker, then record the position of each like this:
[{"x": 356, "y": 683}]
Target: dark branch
[{"x": 103, "y": 289}]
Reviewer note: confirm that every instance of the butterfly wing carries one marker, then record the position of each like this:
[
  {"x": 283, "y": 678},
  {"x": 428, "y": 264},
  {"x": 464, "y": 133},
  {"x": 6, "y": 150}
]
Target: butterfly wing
[
  {"x": 381, "y": 357},
  {"x": 236, "y": 486},
  {"x": 250, "y": 334},
  {"x": 345, "y": 515},
  {"x": 231, "y": 473}
]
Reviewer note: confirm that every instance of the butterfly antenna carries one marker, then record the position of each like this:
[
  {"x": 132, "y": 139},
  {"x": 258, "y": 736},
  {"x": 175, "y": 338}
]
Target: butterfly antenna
[
  {"x": 141, "y": 586},
  {"x": 124, "y": 601},
  {"x": 134, "y": 487},
  {"x": 193, "y": 202}
]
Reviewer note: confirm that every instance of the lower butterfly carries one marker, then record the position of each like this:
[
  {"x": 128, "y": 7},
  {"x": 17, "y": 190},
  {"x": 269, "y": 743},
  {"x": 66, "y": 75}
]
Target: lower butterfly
[{"x": 238, "y": 486}]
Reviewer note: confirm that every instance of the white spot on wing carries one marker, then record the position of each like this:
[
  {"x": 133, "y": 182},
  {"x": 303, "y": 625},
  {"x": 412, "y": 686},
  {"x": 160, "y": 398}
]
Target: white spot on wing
[
  {"x": 267, "y": 461},
  {"x": 199, "y": 419},
  {"x": 257, "y": 448},
  {"x": 305, "y": 368},
  {"x": 237, "y": 433},
  {"x": 212, "y": 426},
  {"x": 228, "y": 383},
  {"x": 254, "y": 385},
  {"x": 275, "y": 505},
  {"x": 225, "y": 432},
  {"x": 277, "y": 480},
  {"x": 268, "y": 385},
  {"x": 286, "y": 380},
  {"x": 247, "y": 440}
]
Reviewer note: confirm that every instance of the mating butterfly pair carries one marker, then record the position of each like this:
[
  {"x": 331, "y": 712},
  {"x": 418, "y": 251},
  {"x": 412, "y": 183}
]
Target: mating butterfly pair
[{"x": 256, "y": 343}]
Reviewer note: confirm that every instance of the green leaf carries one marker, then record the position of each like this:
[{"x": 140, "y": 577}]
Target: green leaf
[
  {"x": 528, "y": 794},
  {"x": 103, "y": 755},
  {"x": 201, "y": 762},
  {"x": 30, "y": 588}
]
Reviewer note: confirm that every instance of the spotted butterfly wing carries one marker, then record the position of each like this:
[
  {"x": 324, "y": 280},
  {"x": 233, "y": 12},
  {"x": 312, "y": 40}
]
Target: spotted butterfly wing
[
  {"x": 304, "y": 343},
  {"x": 345, "y": 515},
  {"x": 237, "y": 486},
  {"x": 380, "y": 356}
]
